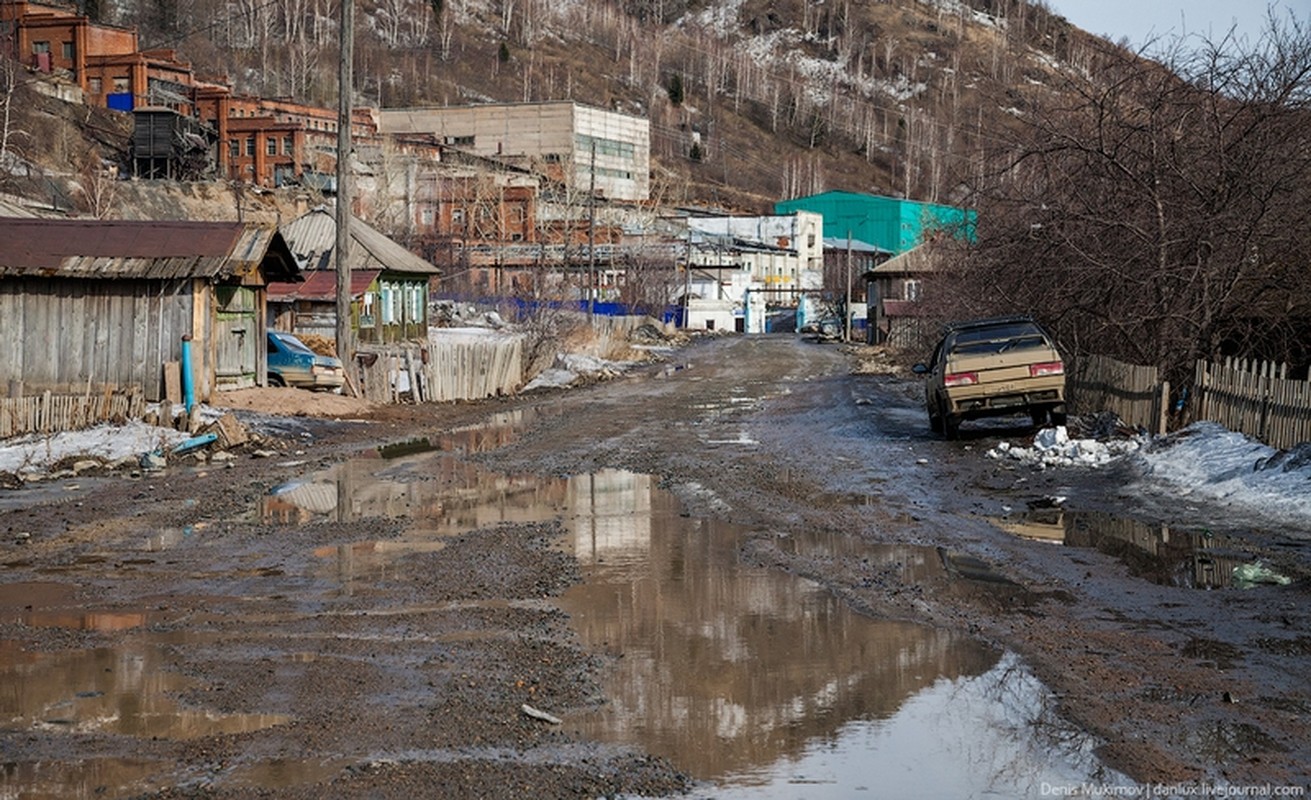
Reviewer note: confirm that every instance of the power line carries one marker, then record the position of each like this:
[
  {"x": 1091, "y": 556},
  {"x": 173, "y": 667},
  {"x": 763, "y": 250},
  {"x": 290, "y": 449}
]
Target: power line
[{"x": 221, "y": 21}]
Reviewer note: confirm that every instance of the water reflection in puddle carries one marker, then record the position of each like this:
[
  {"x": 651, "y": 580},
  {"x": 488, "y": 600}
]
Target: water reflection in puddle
[
  {"x": 759, "y": 681},
  {"x": 424, "y": 482},
  {"x": 741, "y": 676},
  {"x": 88, "y": 778},
  {"x": 1158, "y": 553},
  {"x": 123, "y": 689}
]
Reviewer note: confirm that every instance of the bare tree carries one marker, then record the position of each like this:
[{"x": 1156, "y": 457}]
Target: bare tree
[
  {"x": 9, "y": 87},
  {"x": 1158, "y": 213}
]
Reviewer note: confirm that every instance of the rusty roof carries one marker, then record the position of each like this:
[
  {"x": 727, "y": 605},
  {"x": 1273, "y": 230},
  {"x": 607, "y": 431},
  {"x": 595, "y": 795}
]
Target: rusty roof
[
  {"x": 321, "y": 285},
  {"x": 157, "y": 250}
]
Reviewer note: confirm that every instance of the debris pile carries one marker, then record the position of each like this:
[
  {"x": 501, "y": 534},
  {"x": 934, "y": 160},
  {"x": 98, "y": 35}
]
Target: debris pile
[{"x": 1053, "y": 447}]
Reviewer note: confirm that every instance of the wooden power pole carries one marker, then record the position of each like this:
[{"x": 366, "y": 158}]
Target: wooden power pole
[{"x": 341, "y": 252}]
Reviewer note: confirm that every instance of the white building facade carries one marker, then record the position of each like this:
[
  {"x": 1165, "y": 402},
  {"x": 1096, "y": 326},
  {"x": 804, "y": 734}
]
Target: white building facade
[{"x": 752, "y": 264}]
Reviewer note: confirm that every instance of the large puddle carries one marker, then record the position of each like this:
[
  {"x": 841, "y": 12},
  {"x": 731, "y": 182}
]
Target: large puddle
[
  {"x": 759, "y": 683},
  {"x": 122, "y": 689}
]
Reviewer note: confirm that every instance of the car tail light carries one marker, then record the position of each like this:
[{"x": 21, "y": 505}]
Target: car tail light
[
  {"x": 960, "y": 378},
  {"x": 1046, "y": 368}
]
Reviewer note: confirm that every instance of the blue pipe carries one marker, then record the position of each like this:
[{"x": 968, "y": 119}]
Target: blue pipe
[
  {"x": 188, "y": 391},
  {"x": 195, "y": 443}
]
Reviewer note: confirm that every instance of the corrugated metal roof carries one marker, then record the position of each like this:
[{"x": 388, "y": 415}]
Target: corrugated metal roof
[
  {"x": 913, "y": 261},
  {"x": 312, "y": 237},
  {"x": 857, "y": 246},
  {"x": 157, "y": 250},
  {"x": 321, "y": 285}
]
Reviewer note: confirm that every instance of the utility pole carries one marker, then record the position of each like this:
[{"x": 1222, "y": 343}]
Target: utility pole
[
  {"x": 846, "y": 311},
  {"x": 341, "y": 251},
  {"x": 687, "y": 277},
  {"x": 591, "y": 236}
]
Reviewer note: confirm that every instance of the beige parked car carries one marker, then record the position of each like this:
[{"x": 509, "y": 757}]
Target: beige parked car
[{"x": 991, "y": 368}]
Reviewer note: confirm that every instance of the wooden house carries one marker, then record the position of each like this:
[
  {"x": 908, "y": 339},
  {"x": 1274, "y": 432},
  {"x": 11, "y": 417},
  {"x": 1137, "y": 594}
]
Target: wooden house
[
  {"x": 894, "y": 291},
  {"x": 96, "y": 306},
  {"x": 389, "y": 284}
]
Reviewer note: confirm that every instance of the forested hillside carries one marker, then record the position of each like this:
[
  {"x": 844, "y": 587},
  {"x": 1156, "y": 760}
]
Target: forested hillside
[{"x": 749, "y": 100}]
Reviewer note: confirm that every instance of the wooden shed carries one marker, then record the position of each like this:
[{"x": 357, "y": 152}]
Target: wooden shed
[
  {"x": 92, "y": 306},
  {"x": 894, "y": 290},
  {"x": 389, "y": 284}
]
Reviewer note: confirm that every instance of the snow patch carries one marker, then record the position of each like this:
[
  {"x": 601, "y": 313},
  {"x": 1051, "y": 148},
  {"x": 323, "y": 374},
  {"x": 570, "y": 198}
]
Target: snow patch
[
  {"x": 1209, "y": 462},
  {"x": 111, "y": 443},
  {"x": 1053, "y": 447},
  {"x": 569, "y": 368}
]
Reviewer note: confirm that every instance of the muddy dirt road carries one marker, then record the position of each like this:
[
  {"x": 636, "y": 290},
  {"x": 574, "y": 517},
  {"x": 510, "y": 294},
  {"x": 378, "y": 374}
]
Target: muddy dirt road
[{"x": 742, "y": 572}]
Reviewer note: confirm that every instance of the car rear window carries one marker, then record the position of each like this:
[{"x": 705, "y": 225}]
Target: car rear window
[
  {"x": 293, "y": 345},
  {"x": 999, "y": 338}
]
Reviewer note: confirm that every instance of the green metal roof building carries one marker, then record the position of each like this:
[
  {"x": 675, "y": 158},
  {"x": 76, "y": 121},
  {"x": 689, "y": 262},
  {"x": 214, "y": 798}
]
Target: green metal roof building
[{"x": 887, "y": 222}]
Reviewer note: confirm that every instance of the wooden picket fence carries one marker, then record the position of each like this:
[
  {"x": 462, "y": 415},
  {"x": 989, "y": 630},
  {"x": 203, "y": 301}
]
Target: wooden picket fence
[
  {"x": 1133, "y": 392},
  {"x": 1255, "y": 398},
  {"x": 451, "y": 366},
  {"x": 50, "y": 413}
]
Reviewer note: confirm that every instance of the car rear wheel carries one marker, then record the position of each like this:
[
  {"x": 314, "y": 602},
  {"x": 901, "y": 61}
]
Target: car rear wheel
[
  {"x": 935, "y": 420},
  {"x": 1039, "y": 416},
  {"x": 1058, "y": 415},
  {"x": 276, "y": 380},
  {"x": 951, "y": 426}
]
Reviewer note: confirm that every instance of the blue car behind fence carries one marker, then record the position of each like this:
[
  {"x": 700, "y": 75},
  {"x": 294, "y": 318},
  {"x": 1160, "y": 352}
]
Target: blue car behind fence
[{"x": 291, "y": 363}]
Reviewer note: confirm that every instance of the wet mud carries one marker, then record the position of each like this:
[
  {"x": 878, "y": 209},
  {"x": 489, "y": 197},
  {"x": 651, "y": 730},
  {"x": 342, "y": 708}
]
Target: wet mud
[{"x": 752, "y": 575}]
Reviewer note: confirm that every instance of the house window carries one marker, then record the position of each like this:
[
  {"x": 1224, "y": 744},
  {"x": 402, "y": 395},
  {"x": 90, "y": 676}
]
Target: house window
[
  {"x": 40, "y": 47},
  {"x": 368, "y": 310},
  {"x": 234, "y": 148},
  {"x": 391, "y": 305},
  {"x": 425, "y": 216},
  {"x": 94, "y": 85},
  {"x": 288, "y": 145},
  {"x": 912, "y": 290},
  {"x": 250, "y": 145},
  {"x": 271, "y": 145},
  {"x": 415, "y": 295},
  {"x": 68, "y": 50},
  {"x": 120, "y": 84}
]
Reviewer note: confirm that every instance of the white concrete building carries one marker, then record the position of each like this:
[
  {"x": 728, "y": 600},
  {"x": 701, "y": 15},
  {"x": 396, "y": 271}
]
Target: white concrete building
[
  {"x": 753, "y": 263},
  {"x": 573, "y": 143}
]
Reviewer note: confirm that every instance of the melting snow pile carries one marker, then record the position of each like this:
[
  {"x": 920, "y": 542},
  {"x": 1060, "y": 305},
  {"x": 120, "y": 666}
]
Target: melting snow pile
[
  {"x": 109, "y": 443},
  {"x": 1210, "y": 462},
  {"x": 1053, "y": 447},
  {"x": 569, "y": 367}
]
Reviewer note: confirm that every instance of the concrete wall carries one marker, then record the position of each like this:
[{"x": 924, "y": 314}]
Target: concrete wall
[{"x": 557, "y": 133}]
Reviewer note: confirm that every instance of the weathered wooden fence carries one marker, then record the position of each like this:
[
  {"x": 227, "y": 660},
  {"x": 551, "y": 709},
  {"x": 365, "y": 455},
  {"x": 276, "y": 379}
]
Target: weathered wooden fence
[
  {"x": 50, "y": 413},
  {"x": 1133, "y": 392},
  {"x": 453, "y": 365},
  {"x": 1255, "y": 398}
]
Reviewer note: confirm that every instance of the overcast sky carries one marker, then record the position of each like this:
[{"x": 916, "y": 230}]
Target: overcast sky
[{"x": 1140, "y": 20}]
